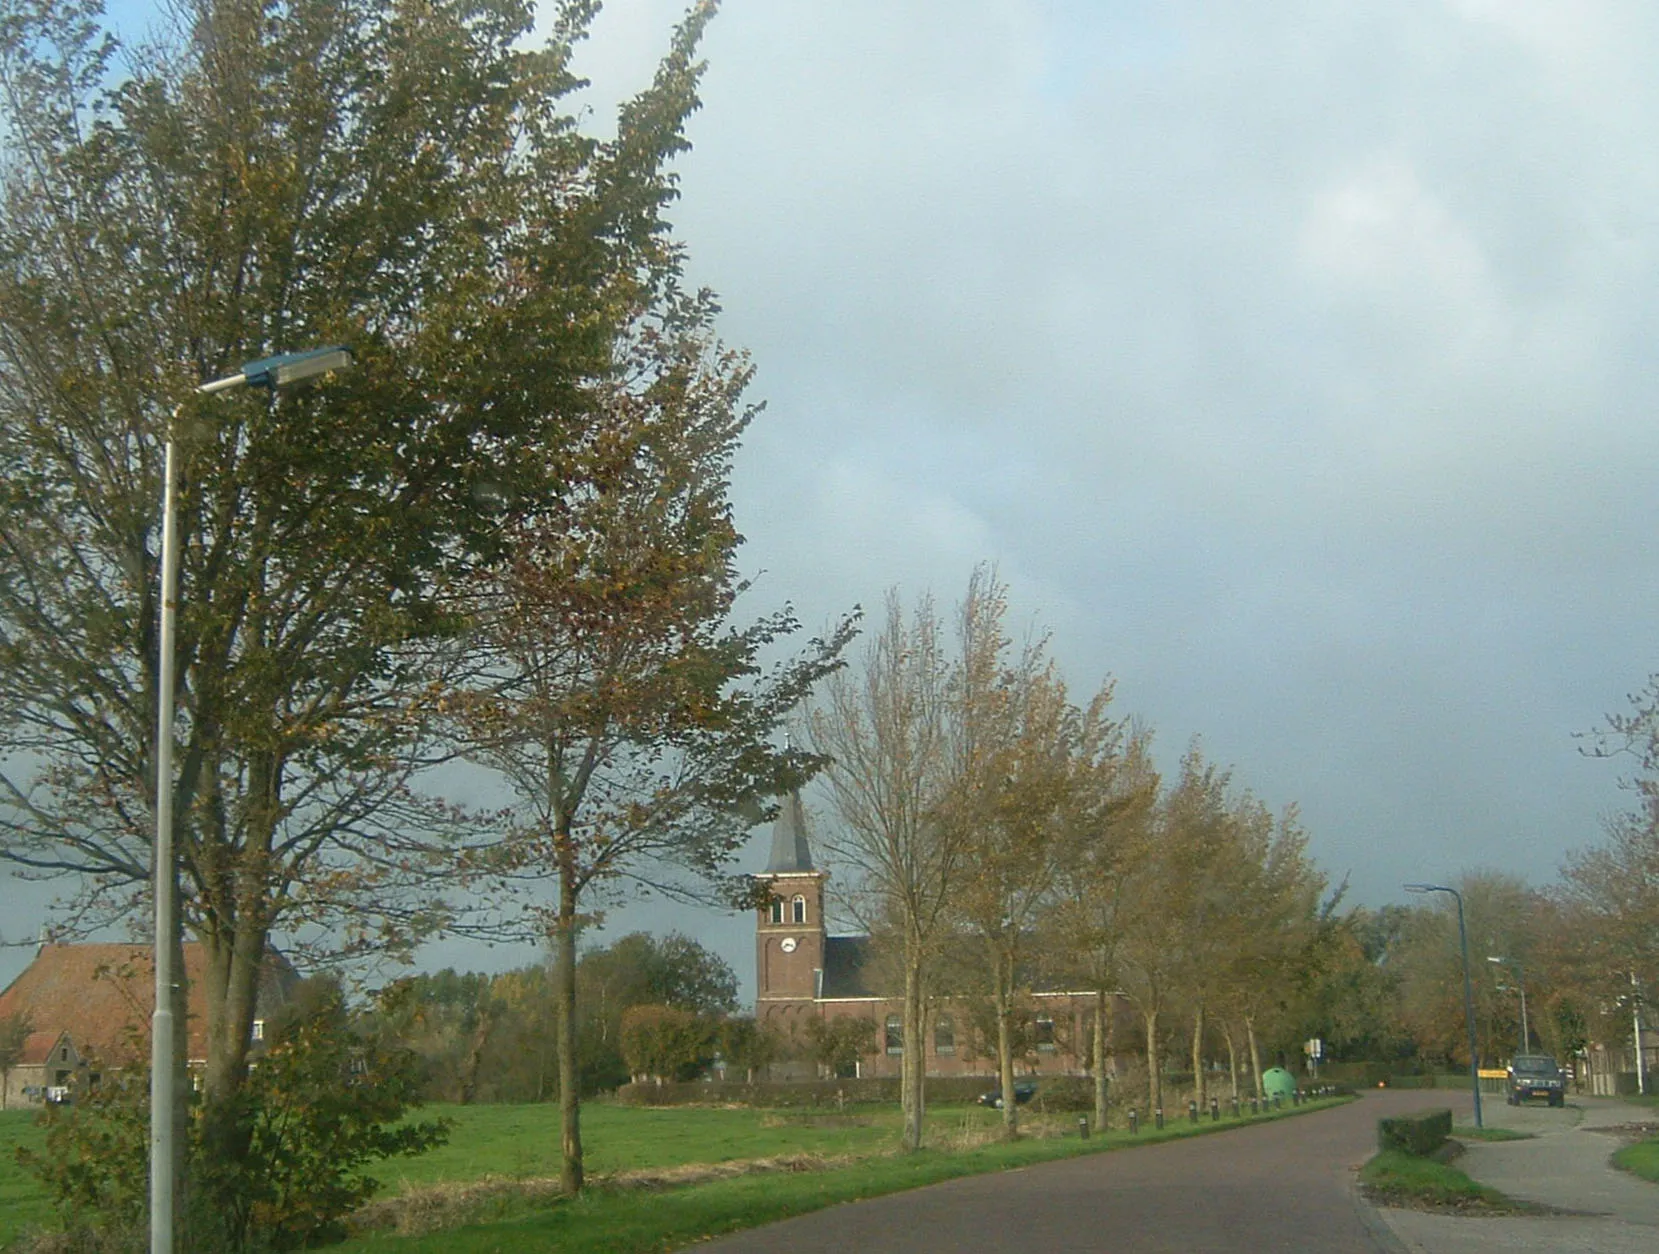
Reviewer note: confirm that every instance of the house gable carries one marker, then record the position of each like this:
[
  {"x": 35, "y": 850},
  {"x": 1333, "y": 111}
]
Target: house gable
[{"x": 103, "y": 995}]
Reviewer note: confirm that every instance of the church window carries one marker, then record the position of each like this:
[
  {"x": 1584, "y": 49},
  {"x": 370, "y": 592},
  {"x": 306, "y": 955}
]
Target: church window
[
  {"x": 777, "y": 909},
  {"x": 798, "y": 906},
  {"x": 944, "y": 1035},
  {"x": 895, "y": 1034},
  {"x": 1045, "y": 1034}
]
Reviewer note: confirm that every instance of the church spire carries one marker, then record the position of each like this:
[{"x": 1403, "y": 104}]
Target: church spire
[{"x": 790, "y": 852}]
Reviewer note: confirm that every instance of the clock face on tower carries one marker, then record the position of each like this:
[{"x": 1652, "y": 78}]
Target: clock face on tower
[{"x": 787, "y": 944}]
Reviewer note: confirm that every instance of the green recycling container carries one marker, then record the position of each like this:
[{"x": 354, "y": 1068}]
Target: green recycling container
[{"x": 1277, "y": 1082}]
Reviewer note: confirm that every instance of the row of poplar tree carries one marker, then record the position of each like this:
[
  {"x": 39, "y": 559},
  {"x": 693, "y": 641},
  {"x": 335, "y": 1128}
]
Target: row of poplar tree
[{"x": 980, "y": 810}]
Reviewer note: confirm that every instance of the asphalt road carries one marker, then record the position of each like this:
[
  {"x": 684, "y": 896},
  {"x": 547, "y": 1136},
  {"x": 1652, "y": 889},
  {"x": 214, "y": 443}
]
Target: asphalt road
[{"x": 1286, "y": 1185}]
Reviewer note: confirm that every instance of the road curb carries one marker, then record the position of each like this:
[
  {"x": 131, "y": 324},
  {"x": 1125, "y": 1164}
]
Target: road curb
[{"x": 1383, "y": 1237}]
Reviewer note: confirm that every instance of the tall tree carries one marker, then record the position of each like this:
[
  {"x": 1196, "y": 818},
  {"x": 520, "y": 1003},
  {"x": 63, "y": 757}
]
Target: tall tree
[
  {"x": 1499, "y": 910},
  {"x": 635, "y": 970},
  {"x": 1283, "y": 937},
  {"x": 1176, "y": 893},
  {"x": 1106, "y": 836},
  {"x": 273, "y": 174},
  {"x": 1016, "y": 738},
  {"x": 630, "y": 719},
  {"x": 885, "y": 728}
]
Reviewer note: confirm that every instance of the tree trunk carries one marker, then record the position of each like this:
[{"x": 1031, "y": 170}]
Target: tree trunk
[
  {"x": 1154, "y": 1076},
  {"x": 181, "y": 1083},
  {"x": 232, "y": 978},
  {"x": 475, "y": 1057},
  {"x": 1005, "y": 1056},
  {"x": 1232, "y": 1056},
  {"x": 564, "y": 1032},
  {"x": 1255, "y": 1054},
  {"x": 912, "y": 1061},
  {"x": 1201, "y": 1089},
  {"x": 232, "y": 965},
  {"x": 1102, "y": 1028}
]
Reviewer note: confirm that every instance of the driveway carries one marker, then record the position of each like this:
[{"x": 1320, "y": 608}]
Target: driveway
[{"x": 1286, "y": 1185}]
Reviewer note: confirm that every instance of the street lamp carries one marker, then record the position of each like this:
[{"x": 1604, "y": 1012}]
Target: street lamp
[
  {"x": 268, "y": 372},
  {"x": 1468, "y": 995},
  {"x": 1521, "y": 982},
  {"x": 1636, "y": 1032}
]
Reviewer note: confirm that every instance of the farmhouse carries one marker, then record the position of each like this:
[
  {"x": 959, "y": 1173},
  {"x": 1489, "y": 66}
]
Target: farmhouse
[
  {"x": 802, "y": 972},
  {"x": 88, "y": 1010}
]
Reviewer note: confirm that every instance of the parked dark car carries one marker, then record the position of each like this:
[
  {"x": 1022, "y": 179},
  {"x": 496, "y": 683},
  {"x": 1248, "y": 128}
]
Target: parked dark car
[
  {"x": 1536, "y": 1075},
  {"x": 1024, "y": 1091}
]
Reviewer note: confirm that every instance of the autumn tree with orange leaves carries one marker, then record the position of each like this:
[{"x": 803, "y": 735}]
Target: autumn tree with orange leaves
[{"x": 631, "y": 719}]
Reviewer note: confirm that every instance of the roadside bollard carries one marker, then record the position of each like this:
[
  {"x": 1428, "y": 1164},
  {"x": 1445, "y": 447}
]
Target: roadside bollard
[
  {"x": 1158, "y": 1118},
  {"x": 1083, "y": 1127},
  {"x": 1255, "y": 1108},
  {"x": 1278, "y": 1100},
  {"x": 1295, "y": 1097},
  {"x": 1192, "y": 1112},
  {"x": 1134, "y": 1122},
  {"x": 1236, "y": 1111},
  {"x": 1215, "y": 1111}
]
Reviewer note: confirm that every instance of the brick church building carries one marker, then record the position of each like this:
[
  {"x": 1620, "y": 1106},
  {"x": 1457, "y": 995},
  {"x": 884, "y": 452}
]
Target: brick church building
[{"x": 803, "y": 972}]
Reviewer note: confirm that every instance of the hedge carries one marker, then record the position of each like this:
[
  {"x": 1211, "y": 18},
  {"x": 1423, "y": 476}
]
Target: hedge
[
  {"x": 1420, "y": 1134},
  {"x": 1061, "y": 1093}
]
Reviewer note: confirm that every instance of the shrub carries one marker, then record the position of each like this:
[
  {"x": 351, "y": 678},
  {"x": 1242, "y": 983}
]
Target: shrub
[
  {"x": 837, "y": 1044},
  {"x": 941, "y": 1090},
  {"x": 666, "y": 1043},
  {"x": 95, "y": 1161},
  {"x": 279, "y": 1171},
  {"x": 1420, "y": 1134}
]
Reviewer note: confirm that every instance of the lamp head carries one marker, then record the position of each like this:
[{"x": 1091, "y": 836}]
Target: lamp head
[{"x": 286, "y": 368}]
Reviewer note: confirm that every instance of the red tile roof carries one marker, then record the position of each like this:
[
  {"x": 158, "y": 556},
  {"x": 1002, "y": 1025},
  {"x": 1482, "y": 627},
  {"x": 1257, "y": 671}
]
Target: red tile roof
[
  {"x": 103, "y": 996},
  {"x": 37, "y": 1048}
]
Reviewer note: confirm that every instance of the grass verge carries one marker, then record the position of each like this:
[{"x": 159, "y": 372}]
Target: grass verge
[
  {"x": 632, "y": 1221},
  {"x": 1640, "y": 1159},
  {"x": 22, "y": 1203},
  {"x": 1394, "y": 1178}
]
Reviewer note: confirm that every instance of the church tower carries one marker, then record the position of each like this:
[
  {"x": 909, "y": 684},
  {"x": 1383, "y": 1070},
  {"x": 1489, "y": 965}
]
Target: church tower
[{"x": 789, "y": 928}]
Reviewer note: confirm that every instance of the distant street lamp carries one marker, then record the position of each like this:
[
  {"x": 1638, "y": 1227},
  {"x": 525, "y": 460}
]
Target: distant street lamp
[
  {"x": 1636, "y": 1032},
  {"x": 268, "y": 372},
  {"x": 1468, "y": 993},
  {"x": 1521, "y": 983}
]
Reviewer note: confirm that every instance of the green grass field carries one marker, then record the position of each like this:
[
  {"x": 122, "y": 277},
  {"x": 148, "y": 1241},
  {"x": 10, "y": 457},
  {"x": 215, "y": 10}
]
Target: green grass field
[
  {"x": 22, "y": 1204},
  {"x": 1640, "y": 1159},
  {"x": 520, "y": 1143}
]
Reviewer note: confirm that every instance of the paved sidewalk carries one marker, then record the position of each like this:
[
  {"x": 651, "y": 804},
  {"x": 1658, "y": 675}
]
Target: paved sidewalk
[{"x": 1565, "y": 1166}]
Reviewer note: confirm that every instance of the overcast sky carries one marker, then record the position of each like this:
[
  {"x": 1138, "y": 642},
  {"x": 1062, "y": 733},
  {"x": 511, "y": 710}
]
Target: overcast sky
[{"x": 1291, "y": 360}]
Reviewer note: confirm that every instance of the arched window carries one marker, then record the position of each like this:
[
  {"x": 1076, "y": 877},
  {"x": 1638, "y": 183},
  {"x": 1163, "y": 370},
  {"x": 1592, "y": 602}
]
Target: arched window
[
  {"x": 777, "y": 909},
  {"x": 799, "y": 908},
  {"x": 944, "y": 1035},
  {"x": 895, "y": 1034}
]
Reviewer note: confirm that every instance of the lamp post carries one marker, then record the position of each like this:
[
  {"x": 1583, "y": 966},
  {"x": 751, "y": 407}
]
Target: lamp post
[
  {"x": 1521, "y": 983},
  {"x": 1636, "y": 1032},
  {"x": 1468, "y": 994},
  {"x": 272, "y": 373}
]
